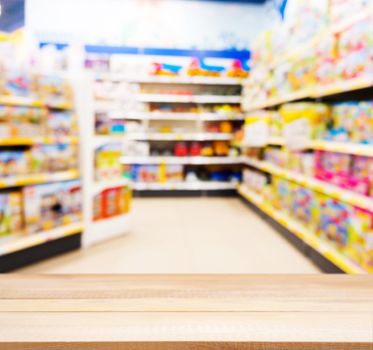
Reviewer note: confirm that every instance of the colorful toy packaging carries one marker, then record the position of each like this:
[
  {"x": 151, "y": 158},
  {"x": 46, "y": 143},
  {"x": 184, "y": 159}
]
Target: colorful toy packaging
[
  {"x": 18, "y": 84},
  {"x": 107, "y": 162},
  {"x": 54, "y": 90},
  {"x": 316, "y": 116},
  {"x": 255, "y": 180},
  {"x": 11, "y": 219},
  {"x": 352, "y": 122},
  {"x": 351, "y": 172},
  {"x": 304, "y": 206},
  {"x": 60, "y": 123},
  {"x": 51, "y": 205},
  {"x": 112, "y": 202},
  {"x": 38, "y": 159},
  {"x": 21, "y": 121},
  {"x": 318, "y": 57}
]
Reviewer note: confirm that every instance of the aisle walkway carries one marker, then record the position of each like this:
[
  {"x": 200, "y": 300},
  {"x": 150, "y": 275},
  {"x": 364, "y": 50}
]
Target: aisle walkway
[{"x": 203, "y": 235}]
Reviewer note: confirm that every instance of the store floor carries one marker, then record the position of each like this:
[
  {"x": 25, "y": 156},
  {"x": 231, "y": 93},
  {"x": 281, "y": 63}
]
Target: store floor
[{"x": 193, "y": 235}]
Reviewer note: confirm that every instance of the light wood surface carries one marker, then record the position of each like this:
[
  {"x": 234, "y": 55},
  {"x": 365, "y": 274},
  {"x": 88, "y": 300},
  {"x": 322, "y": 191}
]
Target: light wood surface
[{"x": 186, "y": 312}]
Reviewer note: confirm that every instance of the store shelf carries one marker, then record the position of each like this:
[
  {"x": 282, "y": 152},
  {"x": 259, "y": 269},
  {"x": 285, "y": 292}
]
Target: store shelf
[
  {"x": 180, "y": 160},
  {"x": 303, "y": 233},
  {"x": 179, "y": 136},
  {"x": 31, "y": 102},
  {"x": 45, "y": 140},
  {"x": 33, "y": 179},
  {"x": 105, "y": 229},
  {"x": 333, "y": 29},
  {"x": 331, "y": 146},
  {"x": 100, "y": 140},
  {"x": 333, "y": 191},
  {"x": 317, "y": 92},
  {"x": 272, "y": 102},
  {"x": 21, "y": 101},
  {"x": 179, "y": 116},
  {"x": 342, "y": 86},
  {"x": 183, "y": 186},
  {"x": 100, "y": 186},
  {"x": 164, "y": 79},
  {"x": 16, "y": 242},
  {"x": 351, "y": 20},
  {"x": 173, "y": 98}
]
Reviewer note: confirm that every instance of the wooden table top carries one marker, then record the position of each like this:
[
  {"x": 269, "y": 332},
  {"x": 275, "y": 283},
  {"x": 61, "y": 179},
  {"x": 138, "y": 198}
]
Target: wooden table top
[{"x": 186, "y": 312}]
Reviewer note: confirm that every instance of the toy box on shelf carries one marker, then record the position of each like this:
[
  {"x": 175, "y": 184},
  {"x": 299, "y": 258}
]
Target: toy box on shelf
[
  {"x": 38, "y": 132},
  {"x": 329, "y": 58},
  {"x": 51, "y": 205},
  {"x": 349, "y": 229},
  {"x": 111, "y": 202}
]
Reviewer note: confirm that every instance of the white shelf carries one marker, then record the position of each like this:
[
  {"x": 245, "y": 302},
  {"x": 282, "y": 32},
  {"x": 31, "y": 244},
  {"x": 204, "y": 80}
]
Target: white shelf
[
  {"x": 180, "y": 160},
  {"x": 109, "y": 228},
  {"x": 184, "y": 186},
  {"x": 19, "y": 241},
  {"x": 100, "y": 140},
  {"x": 98, "y": 187},
  {"x": 187, "y": 98},
  {"x": 34, "y": 179},
  {"x": 179, "y": 136},
  {"x": 178, "y": 116},
  {"x": 331, "y": 146},
  {"x": 162, "y": 79}
]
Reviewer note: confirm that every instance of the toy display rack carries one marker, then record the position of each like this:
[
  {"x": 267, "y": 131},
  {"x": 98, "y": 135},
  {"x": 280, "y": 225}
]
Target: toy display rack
[
  {"x": 175, "y": 116},
  {"x": 165, "y": 79},
  {"x": 330, "y": 146},
  {"x": 316, "y": 92},
  {"x": 357, "y": 85},
  {"x": 181, "y": 116},
  {"x": 105, "y": 228},
  {"x": 19, "y": 242},
  {"x": 304, "y": 234}
]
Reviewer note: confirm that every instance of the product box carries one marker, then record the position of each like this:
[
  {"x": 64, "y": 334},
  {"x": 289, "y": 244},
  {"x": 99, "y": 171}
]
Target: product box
[
  {"x": 97, "y": 207},
  {"x": 5, "y": 217},
  {"x": 111, "y": 202},
  {"x": 15, "y": 211},
  {"x": 48, "y": 206}
]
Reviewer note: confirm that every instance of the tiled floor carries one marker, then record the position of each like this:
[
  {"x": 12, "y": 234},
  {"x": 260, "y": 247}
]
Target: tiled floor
[{"x": 193, "y": 235}]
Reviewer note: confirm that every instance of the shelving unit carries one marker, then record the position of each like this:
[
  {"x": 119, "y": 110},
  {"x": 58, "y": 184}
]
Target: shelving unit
[
  {"x": 150, "y": 91},
  {"x": 19, "y": 241},
  {"x": 179, "y": 136},
  {"x": 303, "y": 233},
  {"x": 331, "y": 146},
  {"x": 336, "y": 192},
  {"x": 46, "y": 140},
  {"x": 181, "y": 160},
  {"x": 184, "y": 186},
  {"x": 358, "y": 88},
  {"x": 161, "y": 79},
  {"x": 187, "y": 98},
  {"x": 34, "y": 179},
  {"x": 19, "y": 248},
  {"x": 180, "y": 116},
  {"x": 106, "y": 227}
]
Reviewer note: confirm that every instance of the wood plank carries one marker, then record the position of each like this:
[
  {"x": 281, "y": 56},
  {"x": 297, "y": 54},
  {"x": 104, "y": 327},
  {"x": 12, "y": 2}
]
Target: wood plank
[
  {"x": 217, "y": 326},
  {"x": 186, "y": 312}
]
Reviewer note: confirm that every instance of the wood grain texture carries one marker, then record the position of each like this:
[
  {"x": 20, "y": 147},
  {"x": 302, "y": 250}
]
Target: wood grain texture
[{"x": 186, "y": 312}]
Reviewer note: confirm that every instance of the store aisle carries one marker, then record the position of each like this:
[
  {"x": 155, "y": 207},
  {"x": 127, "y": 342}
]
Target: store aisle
[{"x": 203, "y": 235}]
